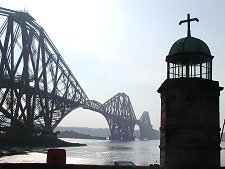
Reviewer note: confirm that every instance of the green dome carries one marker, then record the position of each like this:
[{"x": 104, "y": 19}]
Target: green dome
[{"x": 189, "y": 45}]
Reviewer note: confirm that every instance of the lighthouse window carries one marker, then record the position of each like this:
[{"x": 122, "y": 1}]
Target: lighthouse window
[
  {"x": 206, "y": 70},
  {"x": 195, "y": 70},
  {"x": 174, "y": 70},
  {"x": 202, "y": 70}
]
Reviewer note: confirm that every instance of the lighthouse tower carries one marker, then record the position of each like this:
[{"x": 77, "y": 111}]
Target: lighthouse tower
[{"x": 189, "y": 132}]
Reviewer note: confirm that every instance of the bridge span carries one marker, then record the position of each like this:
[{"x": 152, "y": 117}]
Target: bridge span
[{"x": 37, "y": 88}]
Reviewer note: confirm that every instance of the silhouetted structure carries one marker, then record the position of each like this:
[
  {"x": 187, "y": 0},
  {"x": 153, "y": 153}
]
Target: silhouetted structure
[
  {"x": 121, "y": 118},
  {"x": 37, "y": 88},
  {"x": 190, "y": 131},
  {"x": 145, "y": 127}
]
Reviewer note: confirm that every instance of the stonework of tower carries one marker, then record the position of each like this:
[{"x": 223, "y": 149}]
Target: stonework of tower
[{"x": 190, "y": 129}]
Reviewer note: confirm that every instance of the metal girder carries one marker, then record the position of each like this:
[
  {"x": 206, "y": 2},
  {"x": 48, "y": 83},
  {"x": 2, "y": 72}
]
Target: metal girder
[
  {"x": 145, "y": 126},
  {"x": 93, "y": 105},
  {"x": 120, "y": 116},
  {"x": 37, "y": 89}
]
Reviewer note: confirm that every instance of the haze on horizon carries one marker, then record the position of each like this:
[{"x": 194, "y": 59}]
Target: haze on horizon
[{"x": 114, "y": 46}]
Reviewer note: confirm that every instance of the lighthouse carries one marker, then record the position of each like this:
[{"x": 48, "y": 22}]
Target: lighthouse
[{"x": 190, "y": 129}]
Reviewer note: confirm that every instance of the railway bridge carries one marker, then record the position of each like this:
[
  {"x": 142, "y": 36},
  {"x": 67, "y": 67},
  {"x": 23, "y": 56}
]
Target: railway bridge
[{"x": 37, "y": 88}]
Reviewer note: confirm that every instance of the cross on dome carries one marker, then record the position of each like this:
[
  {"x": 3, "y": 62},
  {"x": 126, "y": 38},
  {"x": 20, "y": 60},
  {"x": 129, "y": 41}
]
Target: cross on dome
[{"x": 188, "y": 20}]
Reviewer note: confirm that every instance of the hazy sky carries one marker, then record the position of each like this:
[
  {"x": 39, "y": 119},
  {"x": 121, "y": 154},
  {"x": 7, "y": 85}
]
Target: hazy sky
[{"x": 116, "y": 46}]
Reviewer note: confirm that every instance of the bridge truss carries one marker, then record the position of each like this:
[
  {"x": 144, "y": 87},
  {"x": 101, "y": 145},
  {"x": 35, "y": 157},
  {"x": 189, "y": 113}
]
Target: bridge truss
[
  {"x": 119, "y": 114},
  {"x": 37, "y": 88},
  {"x": 145, "y": 126}
]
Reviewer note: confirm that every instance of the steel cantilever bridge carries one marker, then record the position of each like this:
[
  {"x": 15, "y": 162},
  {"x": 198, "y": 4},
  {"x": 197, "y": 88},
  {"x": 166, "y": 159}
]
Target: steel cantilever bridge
[{"x": 37, "y": 88}]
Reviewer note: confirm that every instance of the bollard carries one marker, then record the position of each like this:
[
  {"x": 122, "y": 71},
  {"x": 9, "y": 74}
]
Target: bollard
[{"x": 56, "y": 156}]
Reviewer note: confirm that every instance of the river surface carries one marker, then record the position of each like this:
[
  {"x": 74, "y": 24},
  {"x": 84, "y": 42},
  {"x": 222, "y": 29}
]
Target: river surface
[{"x": 101, "y": 152}]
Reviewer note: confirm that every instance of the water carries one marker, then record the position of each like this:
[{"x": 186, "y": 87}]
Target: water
[
  {"x": 107, "y": 152},
  {"x": 101, "y": 152}
]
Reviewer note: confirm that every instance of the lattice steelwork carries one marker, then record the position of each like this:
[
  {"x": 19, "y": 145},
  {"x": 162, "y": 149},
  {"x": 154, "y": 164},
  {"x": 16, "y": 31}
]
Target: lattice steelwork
[
  {"x": 145, "y": 126},
  {"x": 37, "y": 89},
  {"x": 119, "y": 114},
  {"x": 93, "y": 105},
  {"x": 121, "y": 118},
  {"x": 122, "y": 124}
]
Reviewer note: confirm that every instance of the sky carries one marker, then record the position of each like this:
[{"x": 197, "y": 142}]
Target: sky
[{"x": 114, "y": 46}]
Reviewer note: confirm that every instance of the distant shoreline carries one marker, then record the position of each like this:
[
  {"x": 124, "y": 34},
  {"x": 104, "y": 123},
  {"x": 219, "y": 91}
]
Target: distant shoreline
[
  {"x": 43, "y": 140},
  {"x": 103, "y": 132},
  {"x": 72, "y": 134},
  {"x": 16, "y": 145},
  {"x": 9, "y": 152}
]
